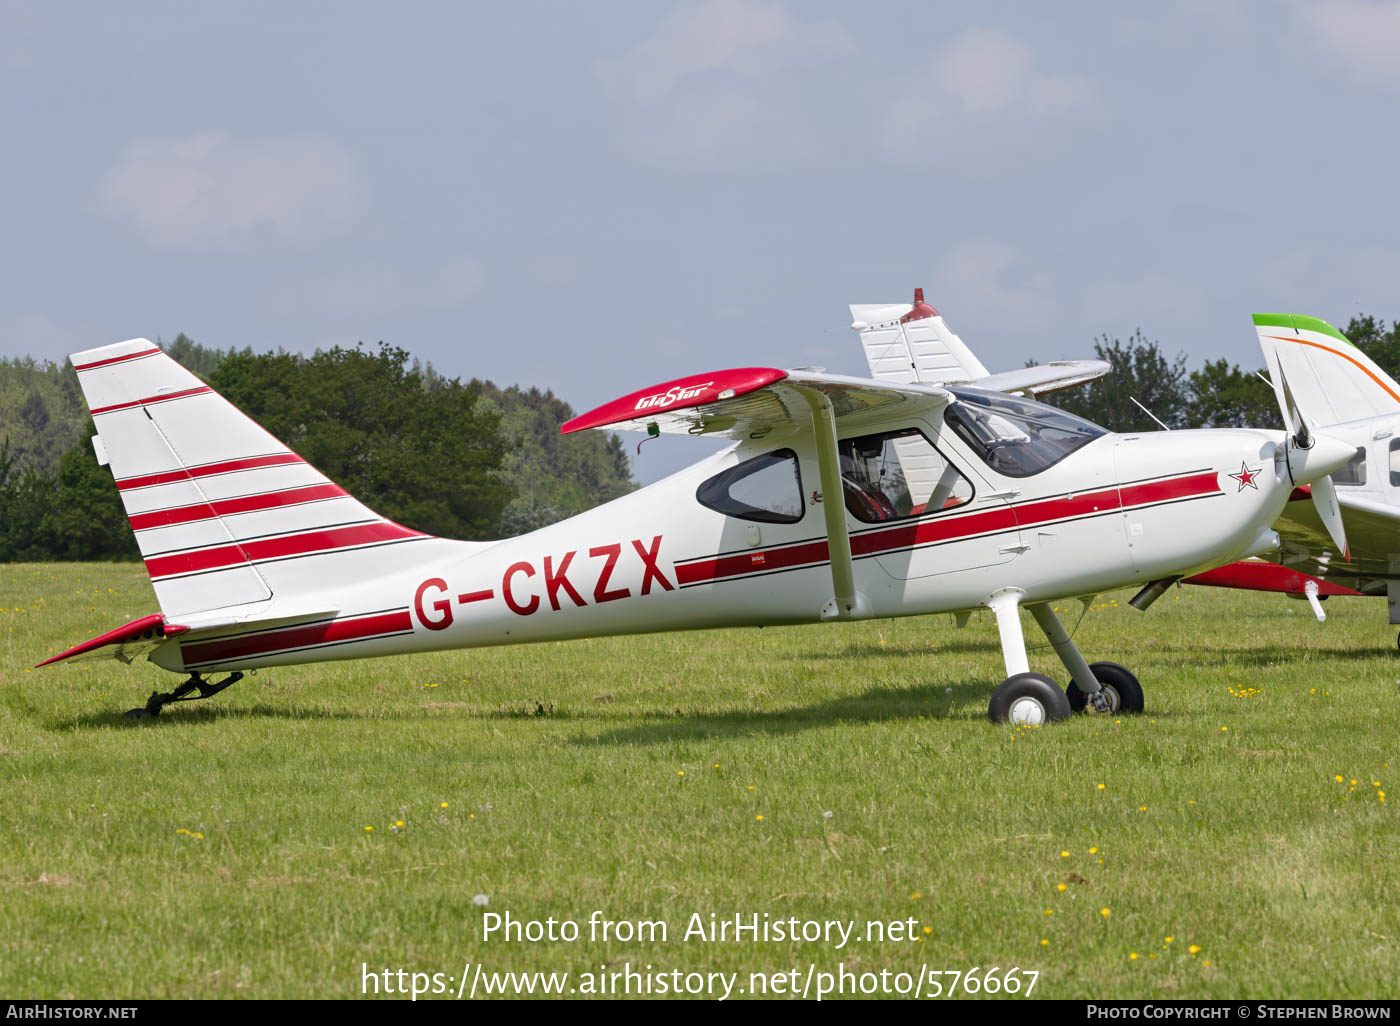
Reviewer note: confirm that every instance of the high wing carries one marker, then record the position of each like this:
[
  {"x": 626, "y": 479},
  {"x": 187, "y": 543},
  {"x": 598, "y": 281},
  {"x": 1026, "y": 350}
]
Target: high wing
[
  {"x": 913, "y": 344},
  {"x": 759, "y": 402},
  {"x": 747, "y": 402}
]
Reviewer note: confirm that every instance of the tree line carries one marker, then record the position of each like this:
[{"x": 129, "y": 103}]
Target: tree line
[
  {"x": 459, "y": 459},
  {"x": 1216, "y": 394},
  {"x": 470, "y": 459}
]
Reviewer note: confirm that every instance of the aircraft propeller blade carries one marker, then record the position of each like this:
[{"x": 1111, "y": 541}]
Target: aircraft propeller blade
[
  {"x": 1329, "y": 511},
  {"x": 1293, "y": 417},
  {"x": 1312, "y": 457}
]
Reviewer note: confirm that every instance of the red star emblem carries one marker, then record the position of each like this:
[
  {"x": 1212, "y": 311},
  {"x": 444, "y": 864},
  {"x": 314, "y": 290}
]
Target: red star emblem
[{"x": 1246, "y": 478}]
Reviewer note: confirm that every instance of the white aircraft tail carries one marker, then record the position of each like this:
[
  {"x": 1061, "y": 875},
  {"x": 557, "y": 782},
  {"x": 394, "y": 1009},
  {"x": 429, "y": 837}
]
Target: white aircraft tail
[
  {"x": 225, "y": 515},
  {"x": 1331, "y": 381},
  {"x": 913, "y": 344}
]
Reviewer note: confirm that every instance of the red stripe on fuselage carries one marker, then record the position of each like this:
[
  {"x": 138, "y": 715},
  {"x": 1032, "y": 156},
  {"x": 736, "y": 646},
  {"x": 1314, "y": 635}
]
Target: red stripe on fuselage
[
  {"x": 259, "y": 550},
  {"x": 995, "y": 520},
  {"x": 296, "y": 637},
  {"x": 743, "y": 562},
  {"x": 228, "y": 507},
  {"x": 276, "y": 459},
  {"x": 1149, "y": 492},
  {"x": 186, "y": 393}
]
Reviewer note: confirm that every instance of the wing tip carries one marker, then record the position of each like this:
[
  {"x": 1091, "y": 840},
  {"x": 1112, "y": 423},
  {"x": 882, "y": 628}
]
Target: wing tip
[{"x": 679, "y": 394}]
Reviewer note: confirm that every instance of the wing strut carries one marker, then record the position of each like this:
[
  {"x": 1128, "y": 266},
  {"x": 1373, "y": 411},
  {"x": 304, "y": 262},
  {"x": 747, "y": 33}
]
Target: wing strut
[{"x": 847, "y": 603}]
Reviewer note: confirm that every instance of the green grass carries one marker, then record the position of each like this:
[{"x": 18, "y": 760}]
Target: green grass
[{"x": 1218, "y": 823}]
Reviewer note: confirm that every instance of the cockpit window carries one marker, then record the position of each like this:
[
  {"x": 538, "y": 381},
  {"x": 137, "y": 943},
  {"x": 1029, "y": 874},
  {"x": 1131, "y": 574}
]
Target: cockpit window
[
  {"x": 897, "y": 474},
  {"x": 767, "y": 488},
  {"x": 1016, "y": 437}
]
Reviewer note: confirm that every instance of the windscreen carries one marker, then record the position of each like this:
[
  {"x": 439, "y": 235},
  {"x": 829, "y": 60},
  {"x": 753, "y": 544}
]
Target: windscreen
[{"x": 1016, "y": 437}]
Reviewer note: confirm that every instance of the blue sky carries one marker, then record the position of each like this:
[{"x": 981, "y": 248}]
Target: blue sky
[{"x": 593, "y": 198}]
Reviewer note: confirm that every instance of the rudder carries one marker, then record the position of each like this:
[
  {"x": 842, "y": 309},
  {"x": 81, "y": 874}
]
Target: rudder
[
  {"x": 1331, "y": 380},
  {"x": 224, "y": 513}
]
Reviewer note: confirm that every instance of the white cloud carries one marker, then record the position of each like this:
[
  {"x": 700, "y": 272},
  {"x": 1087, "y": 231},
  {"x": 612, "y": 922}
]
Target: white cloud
[
  {"x": 749, "y": 85},
  {"x": 721, "y": 82},
  {"x": 1365, "y": 35},
  {"x": 743, "y": 38},
  {"x": 212, "y": 191},
  {"x": 980, "y": 80}
]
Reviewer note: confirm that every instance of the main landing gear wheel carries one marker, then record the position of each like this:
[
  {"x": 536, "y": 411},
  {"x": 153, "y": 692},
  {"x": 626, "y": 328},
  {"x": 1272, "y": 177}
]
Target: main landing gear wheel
[
  {"x": 1028, "y": 700},
  {"x": 1120, "y": 688}
]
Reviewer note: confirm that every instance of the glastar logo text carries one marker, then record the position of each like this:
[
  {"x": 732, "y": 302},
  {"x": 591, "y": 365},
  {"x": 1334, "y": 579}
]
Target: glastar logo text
[{"x": 661, "y": 400}]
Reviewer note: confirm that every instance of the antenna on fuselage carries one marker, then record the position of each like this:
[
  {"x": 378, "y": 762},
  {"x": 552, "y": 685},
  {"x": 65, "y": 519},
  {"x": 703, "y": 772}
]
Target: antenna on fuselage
[{"x": 1145, "y": 410}]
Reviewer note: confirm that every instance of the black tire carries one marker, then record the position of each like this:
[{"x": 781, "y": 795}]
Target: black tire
[
  {"x": 1029, "y": 698},
  {"x": 1124, "y": 691}
]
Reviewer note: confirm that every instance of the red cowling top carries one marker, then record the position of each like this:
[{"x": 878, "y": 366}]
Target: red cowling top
[
  {"x": 683, "y": 393},
  {"x": 921, "y": 309}
]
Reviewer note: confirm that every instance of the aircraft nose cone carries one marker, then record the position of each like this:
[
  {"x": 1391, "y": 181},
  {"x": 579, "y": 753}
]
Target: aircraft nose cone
[{"x": 1324, "y": 456}]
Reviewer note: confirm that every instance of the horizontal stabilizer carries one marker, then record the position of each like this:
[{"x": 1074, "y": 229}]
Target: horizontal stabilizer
[
  {"x": 124, "y": 643},
  {"x": 150, "y": 632},
  {"x": 1045, "y": 377}
]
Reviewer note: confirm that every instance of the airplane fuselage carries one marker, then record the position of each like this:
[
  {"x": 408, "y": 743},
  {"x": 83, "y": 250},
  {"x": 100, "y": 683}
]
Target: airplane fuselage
[{"x": 1122, "y": 510}]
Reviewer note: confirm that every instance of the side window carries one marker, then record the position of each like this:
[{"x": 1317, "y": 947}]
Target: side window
[
  {"x": 1394, "y": 461},
  {"x": 767, "y": 488},
  {"x": 1354, "y": 473},
  {"x": 898, "y": 474}
]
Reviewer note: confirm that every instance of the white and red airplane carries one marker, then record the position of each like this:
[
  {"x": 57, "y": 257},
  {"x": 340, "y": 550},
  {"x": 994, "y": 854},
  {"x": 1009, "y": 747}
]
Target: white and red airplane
[
  {"x": 841, "y": 498},
  {"x": 1333, "y": 385}
]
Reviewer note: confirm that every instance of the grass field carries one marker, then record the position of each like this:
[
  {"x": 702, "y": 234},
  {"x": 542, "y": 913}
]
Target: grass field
[{"x": 837, "y": 772}]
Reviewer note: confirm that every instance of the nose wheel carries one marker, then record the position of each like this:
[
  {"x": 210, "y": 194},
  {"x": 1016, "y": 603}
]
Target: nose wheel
[{"x": 1119, "y": 691}]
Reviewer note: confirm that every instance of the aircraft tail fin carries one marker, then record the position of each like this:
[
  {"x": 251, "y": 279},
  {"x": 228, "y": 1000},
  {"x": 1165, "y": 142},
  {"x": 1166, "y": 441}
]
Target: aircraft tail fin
[
  {"x": 1331, "y": 381},
  {"x": 913, "y": 344},
  {"x": 225, "y": 515}
]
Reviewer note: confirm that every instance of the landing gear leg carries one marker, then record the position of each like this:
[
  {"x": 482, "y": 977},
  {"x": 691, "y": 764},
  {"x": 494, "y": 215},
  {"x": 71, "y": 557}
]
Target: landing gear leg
[
  {"x": 1085, "y": 692},
  {"x": 159, "y": 700},
  {"x": 1024, "y": 698},
  {"x": 1100, "y": 687}
]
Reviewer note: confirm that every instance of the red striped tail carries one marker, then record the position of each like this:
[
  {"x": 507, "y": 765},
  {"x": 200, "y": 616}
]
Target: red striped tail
[{"x": 224, "y": 513}]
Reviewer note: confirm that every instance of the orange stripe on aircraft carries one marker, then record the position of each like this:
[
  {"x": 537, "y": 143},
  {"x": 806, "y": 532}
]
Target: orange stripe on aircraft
[{"x": 1328, "y": 349}]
